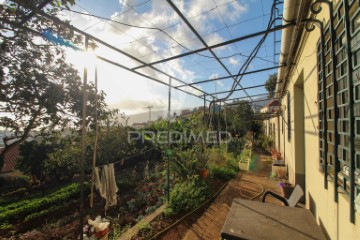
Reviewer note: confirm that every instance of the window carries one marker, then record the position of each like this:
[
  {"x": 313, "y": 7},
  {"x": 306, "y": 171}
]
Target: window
[{"x": 339, "y": 101}]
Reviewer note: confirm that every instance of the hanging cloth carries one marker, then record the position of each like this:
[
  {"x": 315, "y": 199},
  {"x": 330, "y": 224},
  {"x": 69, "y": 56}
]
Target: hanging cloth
[
  {"x": 99, "y": 185},
  {"x": 111, "y": 187},
  {"x": 106, "y": 185}
]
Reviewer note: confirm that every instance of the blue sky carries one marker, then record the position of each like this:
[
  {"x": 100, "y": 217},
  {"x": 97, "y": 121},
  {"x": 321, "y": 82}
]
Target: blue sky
[{"x": 215, "y": 20}]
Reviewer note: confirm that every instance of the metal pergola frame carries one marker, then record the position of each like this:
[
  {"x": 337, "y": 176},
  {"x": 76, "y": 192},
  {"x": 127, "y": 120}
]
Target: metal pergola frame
[{"x": 183, "y": 84}]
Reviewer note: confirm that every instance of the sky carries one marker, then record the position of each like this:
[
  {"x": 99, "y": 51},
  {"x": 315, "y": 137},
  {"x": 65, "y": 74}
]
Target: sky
[{"x": 157, "y": 32}]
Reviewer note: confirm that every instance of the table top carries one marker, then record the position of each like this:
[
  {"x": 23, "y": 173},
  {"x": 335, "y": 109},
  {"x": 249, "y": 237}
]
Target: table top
[{"x": 258, "y": 220}]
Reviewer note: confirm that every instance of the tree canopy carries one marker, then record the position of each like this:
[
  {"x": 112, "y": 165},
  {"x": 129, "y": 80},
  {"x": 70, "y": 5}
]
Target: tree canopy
[
  {"x": 270, "y": 84},
  {"x": 39, "y": 91}
]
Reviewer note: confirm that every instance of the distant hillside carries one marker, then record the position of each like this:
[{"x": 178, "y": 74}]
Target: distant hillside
[{"x": 144, "y": 116}]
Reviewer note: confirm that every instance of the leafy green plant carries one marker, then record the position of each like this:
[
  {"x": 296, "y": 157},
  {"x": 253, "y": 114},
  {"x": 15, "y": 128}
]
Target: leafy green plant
[
  {"x": 17, "y": 209},
  {"x": 150, "y": 210},
  {"x": 184, "y": 164},
  {"x": 131, "y": 204},
  {"x": 188, "y": 195},
  {"x": 147, "y": 173},
  {"x": 233, "y": 163},
  {"x": 218, "y": 156},
  {"x": 118, "y": 231},
  {"x": 6, "y": 226},
  {"x": 224, "y": 173},
  {"x": 168, "y": 212},
  {"x": 46, "y": 211},
  {"x": 139, "y": 218},
  {"x": 245, "y": 155},
  {"x": 145, "y": 229},
  {"x": 187, "y": 163},
  {"x": 266, "y": 142},
  {"x": 236, "y": 145}
]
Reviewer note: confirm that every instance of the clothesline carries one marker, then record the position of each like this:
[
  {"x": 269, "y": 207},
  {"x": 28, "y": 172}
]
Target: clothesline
[{"x": 129, "y": 157}]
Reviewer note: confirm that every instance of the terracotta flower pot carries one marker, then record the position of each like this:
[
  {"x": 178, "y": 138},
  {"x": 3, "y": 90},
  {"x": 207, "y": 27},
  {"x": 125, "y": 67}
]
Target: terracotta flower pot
[
  {"x": 204, "y": 173},
  {"x": 102, "y": 233}
]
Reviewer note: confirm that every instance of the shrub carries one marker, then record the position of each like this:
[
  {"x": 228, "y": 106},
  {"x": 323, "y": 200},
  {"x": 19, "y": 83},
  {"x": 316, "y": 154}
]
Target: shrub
[
  {"x": 236, "y": 145},
  {"x": 245, "y": 155},
  {"x": 168, "y": 212},
  {"x": 186, "y": 196},
  {"x": 266, "y": 142},
  {"x": 233, "y": 163},
  {"x": 145, "y": 230},
  {"x": 218, "y": 156},
  {"x": 12, "y": 184},
  {"x": 224, "y": 173}
]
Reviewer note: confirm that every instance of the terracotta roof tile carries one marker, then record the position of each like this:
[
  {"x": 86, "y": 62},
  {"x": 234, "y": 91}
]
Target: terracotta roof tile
[{"x": 10, "y": 159}]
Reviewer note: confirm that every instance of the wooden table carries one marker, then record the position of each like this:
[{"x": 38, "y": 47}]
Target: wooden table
[{"x": 258, "y": 220}]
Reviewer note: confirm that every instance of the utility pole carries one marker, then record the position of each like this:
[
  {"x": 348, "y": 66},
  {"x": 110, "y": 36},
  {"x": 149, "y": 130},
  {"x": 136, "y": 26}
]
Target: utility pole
[{"x": 149, "y": 107}]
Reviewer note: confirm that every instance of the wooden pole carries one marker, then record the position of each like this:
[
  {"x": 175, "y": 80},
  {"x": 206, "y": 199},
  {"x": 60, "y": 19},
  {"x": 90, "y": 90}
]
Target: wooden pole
[
  {"x": 168, "y": 150},
  {"x": 95, "y": 142},
  {"x": 83, "y": 135}
]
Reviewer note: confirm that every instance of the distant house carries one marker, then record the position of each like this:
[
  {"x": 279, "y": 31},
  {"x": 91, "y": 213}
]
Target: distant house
[
  {"x": 185, "y": 112},
  {"x": 10, "y": 159},
  {"x": 273, "y": 106},
  {"x": 269, "y": 125},
  {"x": 140, "y": 125}
]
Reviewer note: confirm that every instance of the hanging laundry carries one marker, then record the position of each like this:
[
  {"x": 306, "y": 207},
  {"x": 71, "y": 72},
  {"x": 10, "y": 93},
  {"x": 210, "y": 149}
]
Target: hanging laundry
[
  {"x": 106, "y": 185},
  {"x": 98, "y": 183},
  {"x": 111, "y": 187}
]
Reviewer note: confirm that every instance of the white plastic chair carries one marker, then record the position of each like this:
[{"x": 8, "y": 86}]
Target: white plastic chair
[{"x": 292, "y": 201}]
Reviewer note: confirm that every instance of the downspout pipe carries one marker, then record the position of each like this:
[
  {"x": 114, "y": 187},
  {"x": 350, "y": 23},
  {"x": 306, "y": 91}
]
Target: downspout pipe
[{"x": 290, "y": 13}]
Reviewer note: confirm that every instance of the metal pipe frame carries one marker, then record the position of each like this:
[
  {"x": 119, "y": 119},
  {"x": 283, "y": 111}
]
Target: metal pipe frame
[
  {"x": 253, "y": 101},
  {"x": 240, "y": 89},
  {"x": 231, "y": 76},
  {"x": 202, "y": 40},
  {"x": 71, "y": 27},
  {"x": 256, "y": 95},
  {"x": 347, "y": 26},
  {"x": 252, "y": 35},
  {"x": 56, "y": 20},
  {"x": 109, "y": 61}
]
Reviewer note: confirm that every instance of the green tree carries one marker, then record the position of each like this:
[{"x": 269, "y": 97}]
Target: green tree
[
  {"x": 270, "y": 84},
  {"x": 33, "y": 155},
  {"x": 240, "y": 118},
  {"x": 39, "y": 92}
]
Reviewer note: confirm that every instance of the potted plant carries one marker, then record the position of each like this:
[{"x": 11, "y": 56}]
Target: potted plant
[
  {"x": 202, "y": 158},
  {"x": 286, "y": 188}
]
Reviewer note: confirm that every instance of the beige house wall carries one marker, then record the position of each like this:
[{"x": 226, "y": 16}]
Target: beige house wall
[{"x": 301, "y": 153}]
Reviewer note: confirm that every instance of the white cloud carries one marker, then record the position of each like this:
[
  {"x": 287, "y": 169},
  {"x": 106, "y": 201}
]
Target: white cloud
[
  {"x": 124, "y": 88},
  {"x": 214, "y": 75},
  {"x": 233, "y": 61},
  {"x": 220, "y": 83}
]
